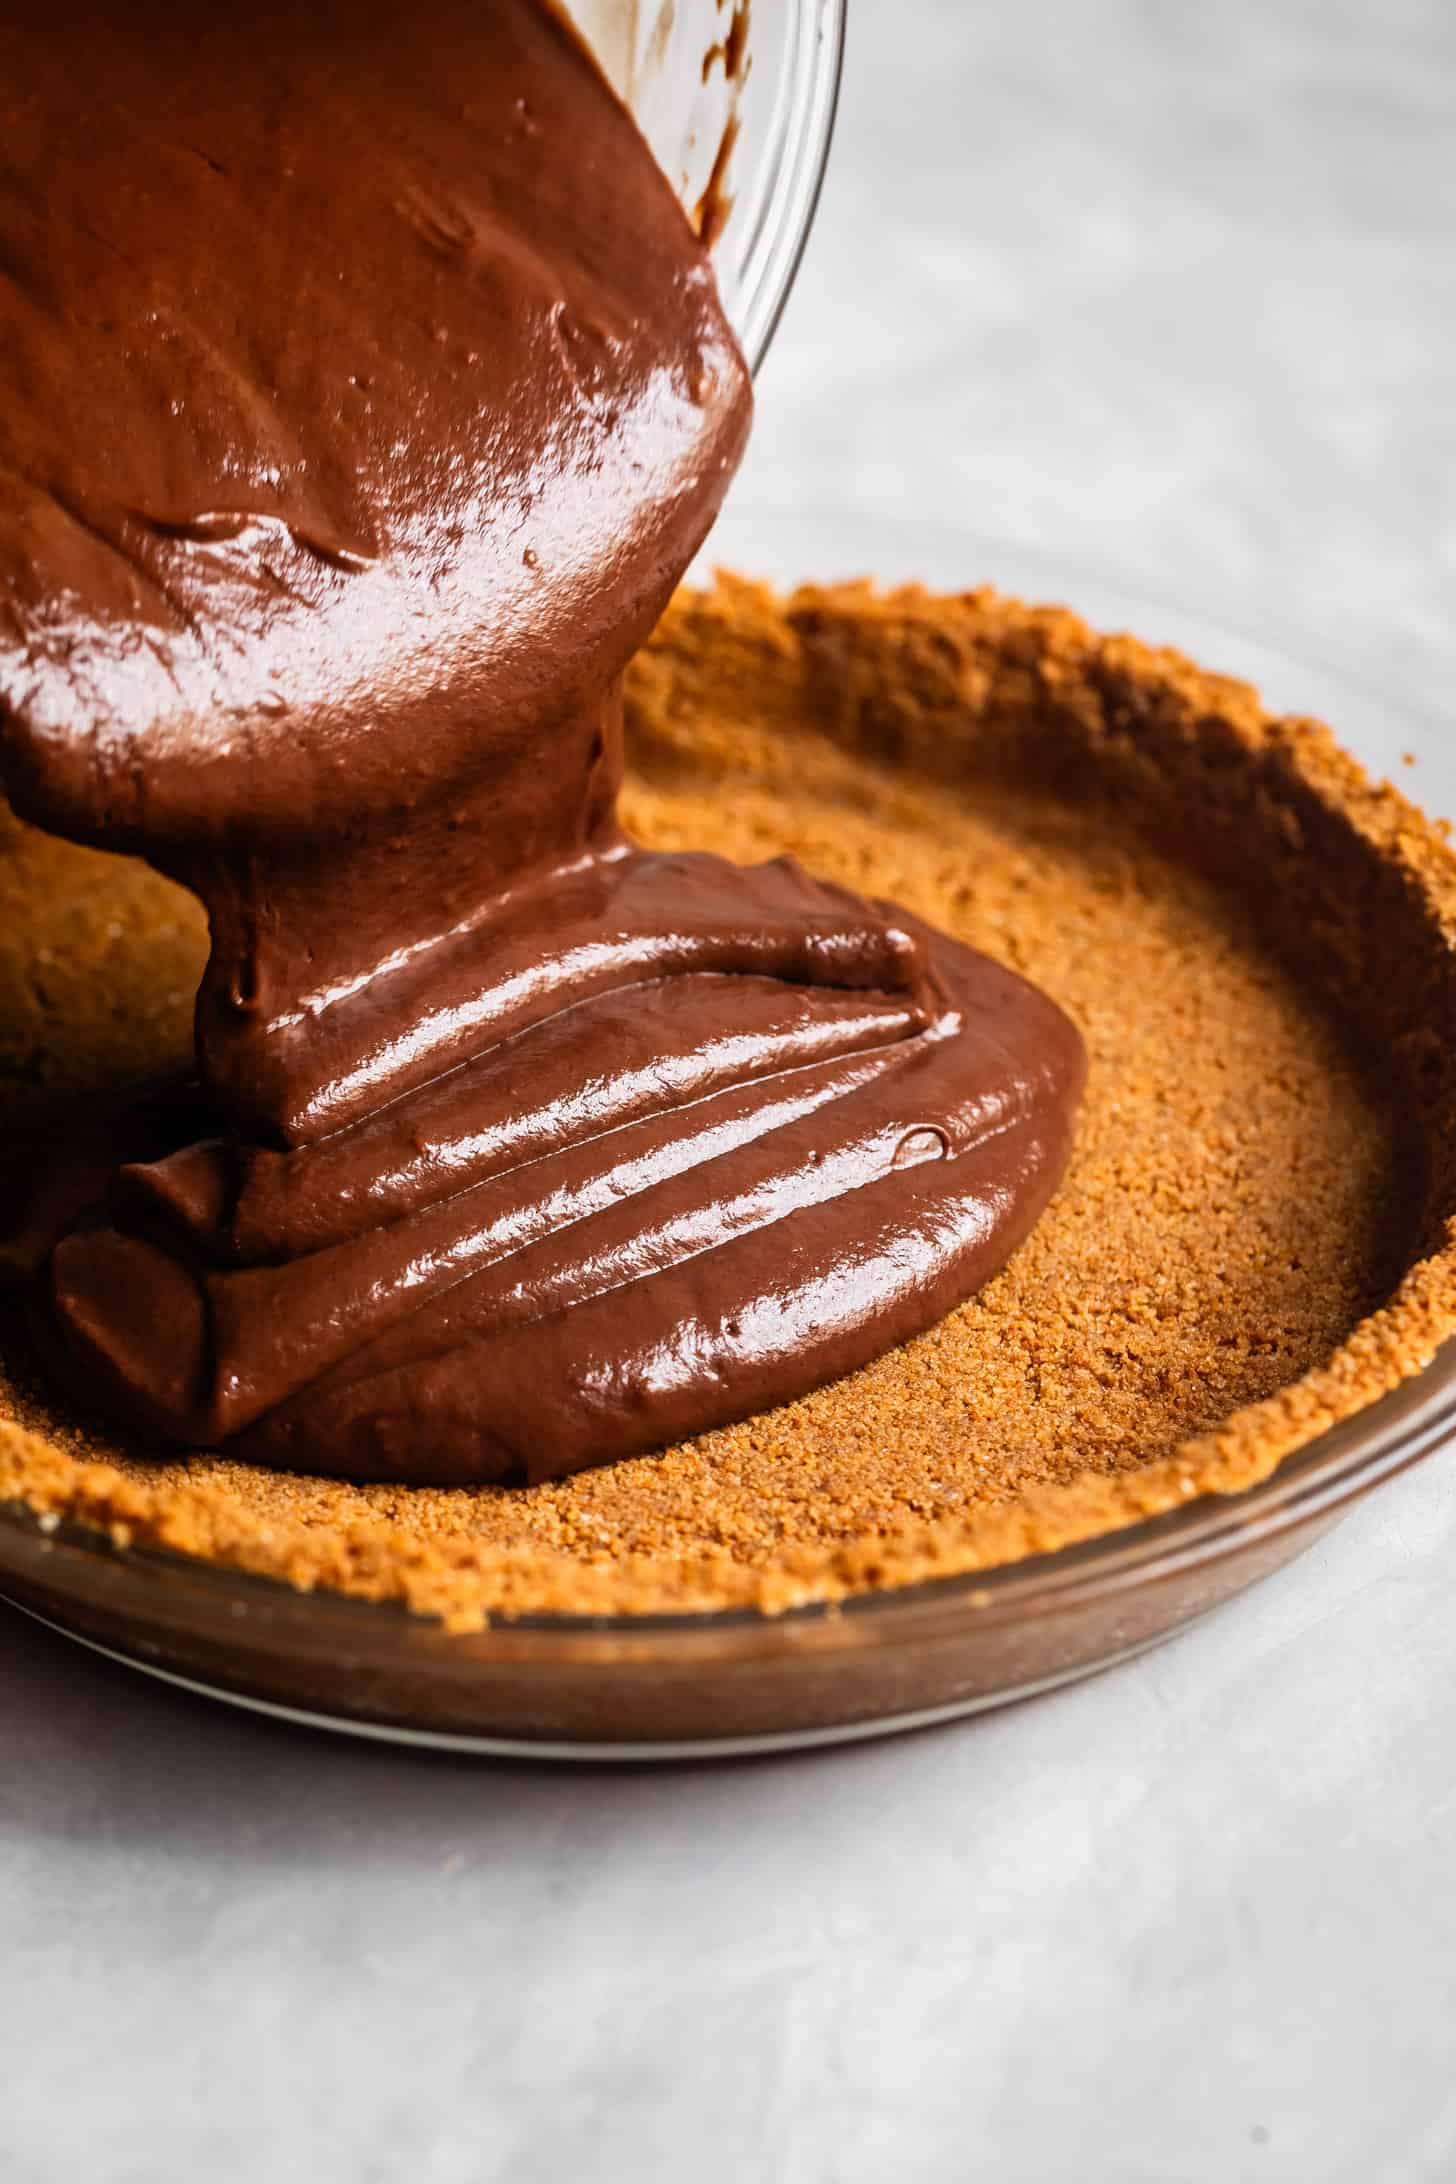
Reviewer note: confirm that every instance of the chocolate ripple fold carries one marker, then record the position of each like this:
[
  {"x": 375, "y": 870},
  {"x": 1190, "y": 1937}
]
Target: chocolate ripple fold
[{"x": 364, "y": 394}]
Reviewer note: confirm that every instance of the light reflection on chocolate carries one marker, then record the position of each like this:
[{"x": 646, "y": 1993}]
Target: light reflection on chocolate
[{"x": 364, "y": 393}]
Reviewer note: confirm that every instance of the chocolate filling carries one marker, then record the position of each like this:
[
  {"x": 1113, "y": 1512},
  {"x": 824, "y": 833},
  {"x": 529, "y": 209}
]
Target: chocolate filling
[{"x": 364, "y": 394}]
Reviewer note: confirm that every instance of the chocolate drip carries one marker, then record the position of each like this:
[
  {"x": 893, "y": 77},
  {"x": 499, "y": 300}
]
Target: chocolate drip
[{"x": 364, "y": 393}]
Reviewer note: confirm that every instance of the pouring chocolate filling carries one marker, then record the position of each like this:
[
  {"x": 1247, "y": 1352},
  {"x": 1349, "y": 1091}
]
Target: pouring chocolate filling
[{"x": 364, "y": 392}]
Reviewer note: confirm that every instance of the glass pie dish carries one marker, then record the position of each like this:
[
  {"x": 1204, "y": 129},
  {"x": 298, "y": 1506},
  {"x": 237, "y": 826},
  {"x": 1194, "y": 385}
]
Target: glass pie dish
[{"x": 658, "y": 1686}]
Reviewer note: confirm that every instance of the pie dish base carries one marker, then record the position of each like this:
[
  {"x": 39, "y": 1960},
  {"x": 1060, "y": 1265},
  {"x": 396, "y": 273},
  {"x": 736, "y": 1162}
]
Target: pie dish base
[{"x": 721, "y": 1680}]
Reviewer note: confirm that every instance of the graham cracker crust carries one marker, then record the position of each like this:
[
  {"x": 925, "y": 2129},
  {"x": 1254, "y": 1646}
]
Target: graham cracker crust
[{"x": 1254, "y": 1242}]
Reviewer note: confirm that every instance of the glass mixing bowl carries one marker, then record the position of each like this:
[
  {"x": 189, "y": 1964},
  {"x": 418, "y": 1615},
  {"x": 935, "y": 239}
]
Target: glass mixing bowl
[{"x": 738, "y": 104}]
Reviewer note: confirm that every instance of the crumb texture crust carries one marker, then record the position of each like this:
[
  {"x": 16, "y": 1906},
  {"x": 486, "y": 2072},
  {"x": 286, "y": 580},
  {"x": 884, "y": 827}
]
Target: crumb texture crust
[{"x": 1254, "y": 1239}]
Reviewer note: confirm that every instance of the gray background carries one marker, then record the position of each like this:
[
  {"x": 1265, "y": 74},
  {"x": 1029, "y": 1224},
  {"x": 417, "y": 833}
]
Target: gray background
[{"x": 1167, "y": 288}]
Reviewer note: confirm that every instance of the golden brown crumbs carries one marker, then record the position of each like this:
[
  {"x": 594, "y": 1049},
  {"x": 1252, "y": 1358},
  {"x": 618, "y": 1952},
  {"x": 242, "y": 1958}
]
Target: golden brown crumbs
[{"x": 1254, "y": 1240}]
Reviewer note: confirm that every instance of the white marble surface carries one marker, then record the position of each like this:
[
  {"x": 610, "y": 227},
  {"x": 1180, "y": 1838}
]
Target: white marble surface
[{"x": 1169, "y": 288}]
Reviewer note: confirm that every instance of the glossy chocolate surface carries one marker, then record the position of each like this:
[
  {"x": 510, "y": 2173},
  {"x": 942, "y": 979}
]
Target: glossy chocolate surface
[{"x": 363, "y": 394}]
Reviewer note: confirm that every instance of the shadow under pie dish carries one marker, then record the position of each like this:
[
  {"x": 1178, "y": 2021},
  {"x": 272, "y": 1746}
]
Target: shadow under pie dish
[{"x": 1250, "y": 1250}]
